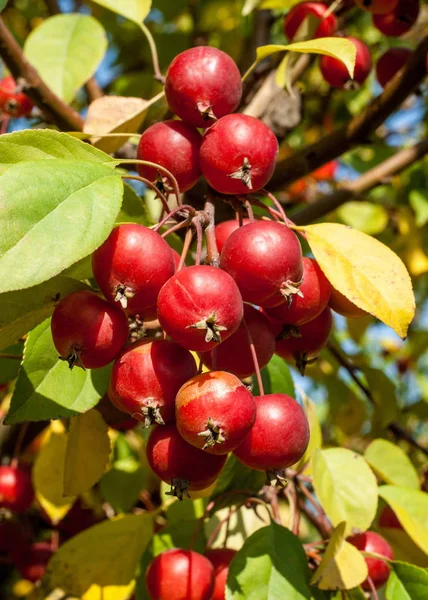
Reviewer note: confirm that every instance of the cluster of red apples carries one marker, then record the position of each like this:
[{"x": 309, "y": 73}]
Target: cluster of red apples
[{"x": 261, "y": 297}]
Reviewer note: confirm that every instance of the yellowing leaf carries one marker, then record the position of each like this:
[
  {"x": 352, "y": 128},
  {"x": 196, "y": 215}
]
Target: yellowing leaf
[
  {"x": 100, "y": 563},
  {"x": 87, "y": 454},
  {"x": 343, "y": 567},
  {"x": 365, "y": 271},
  {"x": 340, "y": 48},
  {"x": 134, "y": 10},
  {"x": 346, "y": 488},
  {"x": 315, "y": 440},
  {"x": 392, "y": 464},
  {"x": 48, "y": 474},
  {"x": 411, "y": 508},
  {"x": 404, "y": 547},
  {"x": 114, "y": 114}
]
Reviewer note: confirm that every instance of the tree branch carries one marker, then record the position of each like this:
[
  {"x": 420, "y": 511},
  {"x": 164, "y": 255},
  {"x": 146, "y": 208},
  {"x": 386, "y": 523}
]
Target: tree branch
[
  {"x": 394, "y": 427},
  {"x": 359, "y": 129},
  {"x": 352, "y": 190},
  {"x": 54, "y": 109}
]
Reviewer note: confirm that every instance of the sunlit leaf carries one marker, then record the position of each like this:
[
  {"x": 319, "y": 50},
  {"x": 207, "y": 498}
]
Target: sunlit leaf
[
  {"x": 134, "y": 10},
  {"x": 49, "y": 202},
  {"x": 366, "y": 216},
  {"x": 315, "y": 440},
  {"x": 100, "y": 563},
  {"x": 346, "y": 488},
  {"x": 48, "y": 474},
  {"x": 391, "y": 464},
  {"x": 66, "y": 50},
  {"x": 88, "y": 449},
  {"x": 411, "y": 509},
  {"x": 340, "y": 48},
  {"x": 342, "y": 567},
  {"x": 374, "y": 278}
]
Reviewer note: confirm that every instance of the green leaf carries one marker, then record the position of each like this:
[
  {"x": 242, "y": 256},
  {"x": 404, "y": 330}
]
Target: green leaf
[
  {"x": 407, "y": 582},
  {"x": 271, "y": 565},
  {"x": 134, "y": 208},
  {"x": 391, "y": 464},
  {"x": 22, "y": 310},
  {"x": 3, "y": 4},
  {"x": 340, "y": 48},
  {"x": 276, "y": 378},
  {"x": 236, "y": 476},
  {"x": 101, "y": 561},
  {"x": 87, "y": 454},
  {"x": 315, "y": 439},
  {"x": 9, "y": 367},
  {"x": 249, "y": 6},
  {"x": 419, "y": 202},
  {"x": 134, "y": 10},
  {"x": 346, "y": 488},
  {"x": 365, "y": 216},
  {"x": 61, "y": 211},
  {"x": 47, "y": 389},
  {"x": 66, "y": 50},
  {"x": 411, "y": 508},
  {"x": 29, "y": 145},
  {"x": 122, "y": 485}
]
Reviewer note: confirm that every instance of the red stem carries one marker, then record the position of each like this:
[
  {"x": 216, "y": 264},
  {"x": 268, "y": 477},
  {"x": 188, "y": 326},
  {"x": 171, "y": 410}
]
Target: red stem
[
  {"x": 199, "y": 239},
  {"x": 161, "y": 223},
  {"x": 277, "y": 204},
  {"x": 186, "y": 247},
  {"x": 153, "y": 187},
  {"x": 255, "y": 359}
]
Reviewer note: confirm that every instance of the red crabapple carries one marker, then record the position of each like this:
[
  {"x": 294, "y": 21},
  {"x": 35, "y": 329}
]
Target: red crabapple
[
  {"x": 184, "y": 467},
  {"x": 265, "y": 260},
  {"x": 389, "y": 519},
  {"x": 316, "y": 290},
  {"x": 299, "y": 12},
  {"x": 16, "y": 489},
  {"x": 278, "y": 438},
  {"x": 342, "y": 306},
  {"x": 113, "y": 417},
  {"x": 234, "y": 355},
  {"x": 32, "y": 564},
  {"x": 377, "y": 7},
  {"x": 304, "y": 343},
  {"x": 325, "y": 172},
  {"x": 146, "y": 378},
  {"x": 203, "y": 84},
  {"x": 214, "y": 412},
  {"x": 378, "y": 569},
  {"x": 88, "y": 331},
  {"x": 400, "y": 20},
  {"x": 178, "y": 574},
  {"x": 224, "y": 229},
  {"x": 220, "y": 558},
  {"x": 13, "y": 103},
  {"x": 336, "y": 74},
  {"x": 199, "y": 307},
  {"x": 175, "y": 146},
  {"x": 131, "y": 266},
  {"x": 238, "y": 154},
  {"x": 390, "y": 63}
]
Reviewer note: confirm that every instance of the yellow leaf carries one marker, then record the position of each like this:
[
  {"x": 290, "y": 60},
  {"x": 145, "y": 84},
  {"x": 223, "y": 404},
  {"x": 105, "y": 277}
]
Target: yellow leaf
[
  {"x": 337, "y": 47},
  {"x": 411, "y": 509},
  {"x": 392, "y": 464},
  {"x": 404, "y": 547},
  {"x": 365, "y": 271},
  {"x": 100, "y": 563},
  {"x": 343, "y": 567},
  {"x": 315, "y": 440},
  {"x": 134, "y": 10},
  {"x": 114, "y": 114},
  {"x": 48, "y": 474},
  {"x": 87, "y": 454},
  {"x": 345, "y": 487}
]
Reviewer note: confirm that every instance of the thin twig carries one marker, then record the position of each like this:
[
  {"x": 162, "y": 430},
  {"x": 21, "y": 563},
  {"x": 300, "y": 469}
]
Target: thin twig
[
  {"x": 153, "y": 187},
  {"x": 153, "y": 50},
  {"x": 213, "y": 256},
  {"x": 255, "y": 359}
]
